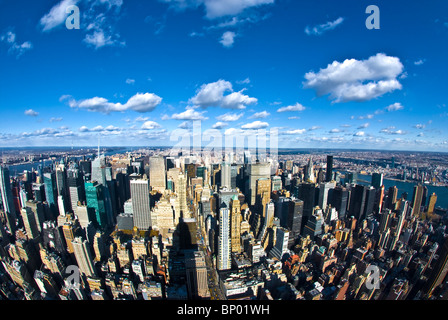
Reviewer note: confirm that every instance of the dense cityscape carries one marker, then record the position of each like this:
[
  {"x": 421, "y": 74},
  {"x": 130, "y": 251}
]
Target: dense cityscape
[{"x": 148, "y": 224}]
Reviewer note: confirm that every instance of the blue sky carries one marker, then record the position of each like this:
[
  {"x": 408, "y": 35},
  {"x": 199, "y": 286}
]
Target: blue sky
[{"x": 138, "y": 72}]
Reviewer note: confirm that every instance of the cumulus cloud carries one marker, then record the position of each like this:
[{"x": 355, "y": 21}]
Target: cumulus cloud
[
  {"x": 140, "y": 102},
  {"x": 295, "y": 107},
  {"x": 394, "y": 107},
  {"x": 357, "y": 80},
  {"x": 212, "y": 94},
  {"x": 217, "y": 8},
  {"x": 227, "y": 117},
  {"x": 31, "y": 113},
  {"x": 189, "y": 114},
  {"x": 359, "y": 134},
  {"x": 322, "y": 28},
  {"x": 97, "y": 19},
  {"x": 150, "y": 125},
  {"x": 57, "y": 15},
  {"x": 227, "y": 39},
  {"x": 220, "y": 125},
  {"x": 255, "y": 125},
  {"x": 296, "y": 131},
  {"x": 14, "y": 48},
  {"x": 260, "y": 115}
]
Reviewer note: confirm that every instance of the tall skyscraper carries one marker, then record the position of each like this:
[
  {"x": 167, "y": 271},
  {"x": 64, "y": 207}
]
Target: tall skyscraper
[
  {"x": 417, "y": 200},
  {"x": 392, "y": 197},
  {"x": 235, "y": 225},
  {"x": 357, "y": 202},
  {"x": 339, "y": 201},
  {"x": 7, "y": 200},
  {"x": 141, "y": 204},
  {"x": 83, "y": 257},
  {"x": 439, "y": 271},
  {"x": 225, "y": 175},
  {"x": 432, "y": 203},
  {"x": 157, "y": 176},
  {"x": 224, "y": 261},
  {"x": 256, "y": 171},
  {"x": 95, "y": 204},
  {"x": 329, "y": 172},
  {"x": 377, "y": 180},
  {"x": 196, "y": 271},
  {"x": 281, "y": 243}
]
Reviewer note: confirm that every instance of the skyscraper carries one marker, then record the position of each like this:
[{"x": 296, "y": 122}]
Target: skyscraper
[
  {"x": 8, "y": 205},
  {"x": 196, "y": 271},
  {"x": 224, "y": 240},
  {"x": 95, "y": 204},
  {"x": 141, "y": 204},
  {"x": 256, "y": 171},
  {"x": 83, "y": 256},
  {"x": 432, "y": 203},
  {"x": 439, "y": 271},
  {"x": 329, "y": 172},
  {"x": 235, "y": 225},
  {"x": 377, "y": 180},
  {"x": 157, "y": 173},
  {"x": 339, "y": 201},
  {"x": 417, "y": 200}
]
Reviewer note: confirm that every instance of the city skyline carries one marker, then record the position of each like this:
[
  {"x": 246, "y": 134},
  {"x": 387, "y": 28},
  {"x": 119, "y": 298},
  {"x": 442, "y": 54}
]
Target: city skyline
[{"x": 139, "y": 74}]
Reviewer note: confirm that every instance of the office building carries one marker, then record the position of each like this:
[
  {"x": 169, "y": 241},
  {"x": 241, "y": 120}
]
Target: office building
[
  {"x": 329, "y": 171},
  {"x": 141, "y": 208},
  {"x": 196, "y": 271},
  {"x": 157, "y": 179},
  {"x": 224, "y": 261},
  {"x": 7, "y": 200},
  {"x": 83, "y": 257}
]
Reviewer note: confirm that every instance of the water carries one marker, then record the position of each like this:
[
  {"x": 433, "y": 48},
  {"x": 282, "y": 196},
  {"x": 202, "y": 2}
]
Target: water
[{"x": 441, "y": 192}]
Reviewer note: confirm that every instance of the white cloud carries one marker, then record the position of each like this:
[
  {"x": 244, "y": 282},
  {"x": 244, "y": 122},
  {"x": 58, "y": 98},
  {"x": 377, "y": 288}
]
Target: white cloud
[
  {"x": 220, "y": 8},
  {"x": 363, "y": 126},
  {"x": 14, "y": 48},
  {"x": 150, "y": 125},
  {"x": 296, "y": 107},
  {"x": 260, "y": 115},
  {"x": 357, "y": 80},
  {"x": 31, "y": 113},
  {"x": 220, "y": 125},
  {"x": 230, "y": 117},
  {"x": 321, "y": 28},
  {"x": 420, "y": 126},
  {"x": 57, "y": 15},
  {"x": 140, "y": 102},
  {"x": 335, "y": 130},
  {"x": 359, "y": 134},
  {"x": 255, "y": 125},
  {"x": 212, "y": 94},
  {"x": 99, "y": 39},
  {"x": 419, "y": 62},
  {"x": 130, "y": 81},
  {"x": 55, "y": 119},
  {"x": 293, "y": 118},
  {"x": 394, "y": 107},
  {"x": 245, "y": 81},
  {"x": 227, "y": 39},
  {"x": 314, "y": 128},
  {"x": 296, "y": 131},
  {"x": 189, "y": 114}
]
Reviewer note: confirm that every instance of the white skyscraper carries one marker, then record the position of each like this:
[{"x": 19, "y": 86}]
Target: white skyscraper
[
  {"x": 83, "y": 256},
  {"x": 157, "y": 173},
  {"x": 141, "y": 203},
  {"x": 224, "y": 240}
]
